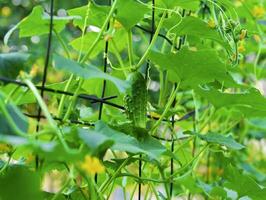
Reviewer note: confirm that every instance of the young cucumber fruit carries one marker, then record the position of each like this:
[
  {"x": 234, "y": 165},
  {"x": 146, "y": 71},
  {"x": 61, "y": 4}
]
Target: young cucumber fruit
[{"x": 136, "y": 100}]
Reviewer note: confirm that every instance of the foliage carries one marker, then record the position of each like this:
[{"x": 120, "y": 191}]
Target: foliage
[{"x": 164, "y": 95}]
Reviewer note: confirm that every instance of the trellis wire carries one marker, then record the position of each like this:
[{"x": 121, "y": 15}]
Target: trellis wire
[
  {"x": 146, "y": 78},
  {"x": 91, "y": 98},
  {"x": 51, "y": 90},
  {"x": 105, "y": 57},
  {"x": 45, "y": 70}
]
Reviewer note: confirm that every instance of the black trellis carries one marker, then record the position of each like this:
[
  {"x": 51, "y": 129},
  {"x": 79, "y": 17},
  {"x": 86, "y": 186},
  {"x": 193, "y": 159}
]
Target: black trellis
[
  {"x": 103, "y": 100},
  {"x": 45, "y": 70}
]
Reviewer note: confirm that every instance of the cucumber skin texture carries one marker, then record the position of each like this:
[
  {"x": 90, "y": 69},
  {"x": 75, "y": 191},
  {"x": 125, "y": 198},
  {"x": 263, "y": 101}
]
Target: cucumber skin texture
[{"x": 136, "y": 100}]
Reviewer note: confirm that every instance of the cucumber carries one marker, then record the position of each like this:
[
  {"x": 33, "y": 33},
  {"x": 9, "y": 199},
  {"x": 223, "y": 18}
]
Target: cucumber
[{"x": 136, "y": 100}]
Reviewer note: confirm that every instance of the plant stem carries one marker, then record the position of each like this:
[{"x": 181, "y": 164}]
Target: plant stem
[
  {"x": 107, "y": 182},
  {"x": 168, "y": 106},
  {"x": 63, "y": 98},
  {"x": 142, "y": 60},
  {"x": 130, "y": 48},
  {"x": 190, "y": 162},
  {"x": 48, "y": 116},
  {"x": 73, "y": 100},
  {"x": 87, "y": 55}
]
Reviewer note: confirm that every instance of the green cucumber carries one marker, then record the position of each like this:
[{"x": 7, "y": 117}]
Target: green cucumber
[{"x": 136, "y": 100}]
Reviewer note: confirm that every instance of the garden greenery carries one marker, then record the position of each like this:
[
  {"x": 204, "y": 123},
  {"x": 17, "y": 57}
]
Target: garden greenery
[{"x": 157, "y": 99}]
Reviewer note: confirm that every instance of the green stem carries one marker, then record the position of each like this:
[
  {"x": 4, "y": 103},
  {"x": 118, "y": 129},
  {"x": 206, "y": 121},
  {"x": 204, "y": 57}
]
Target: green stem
[
  {"x": 155, "y": 191},
  {"x": 63, "y": 44},
  {"x": 130, "y": 48},
  {"x": 6, "y": 164},
  {"x": 133, "y": 191},
  {"x": 165, "y": 184},
  {"x": 161, "y": 88},
  {"x": 168, "y": 106},
  {"x": 142, "y": 60},
  {"x": 109, "y": 180},
  {"x": 11, "y": 94},
  {"x": 189, "y": 163},
  {"x": 92, "y": 47},
  {"x": 73, "y": 100},
  {"x": 41, "y": 103},
  {"x": 118, "y": 57},
  {"x": 48, "y": 116},
  {"x": 64, "y": 97}
]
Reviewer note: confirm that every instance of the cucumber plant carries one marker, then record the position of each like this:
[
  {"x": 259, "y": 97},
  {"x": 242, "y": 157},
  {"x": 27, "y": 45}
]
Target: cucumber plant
[{"x": 132, "y": 99}]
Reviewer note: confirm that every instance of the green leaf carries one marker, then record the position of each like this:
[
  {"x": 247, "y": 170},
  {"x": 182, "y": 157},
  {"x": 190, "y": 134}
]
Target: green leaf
[
  {"x": 196, "y": 27},
  {"x": 186, "y": 4},
  {"x": 97, "y": 15},
  {"x": 213, "y": 191},
  {"x": 20, "y": 120},
  {"x": 21, "y": 96},
  {"x": 117, "y": 37},
  {"x": 21, "y": 183},
  {"x": 103, "y": 134},
  {"x": 98, "y": 143},
  {"x": 130, "y": 12},
  {"x": 243, "y": 184},
  {"x": 171, "y": 22},
  {"x": 251, "y": 103},
  {"x": 12, "y": 63},
  {"x": 88, "y": 72},
  {"x": 38, "y": 22},
  {"x": 217, "y": 138},
  {"x": 192, "y": 68}
]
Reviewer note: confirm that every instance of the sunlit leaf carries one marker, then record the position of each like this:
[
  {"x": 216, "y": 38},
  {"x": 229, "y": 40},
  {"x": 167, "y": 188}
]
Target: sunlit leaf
[
  {"x": 88, "y": 72},
  {"x": 12, "y": 63},
  {"x": 220, "y": 139},
  {"x": 192, "y": 68}
]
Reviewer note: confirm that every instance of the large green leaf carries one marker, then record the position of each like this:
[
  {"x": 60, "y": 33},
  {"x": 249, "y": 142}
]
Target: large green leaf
[
  {"x": 18, "y": 118},
  {"x": 243, "y": 184},
  {"x": 38, "y": 22},
  {"x": 88, "y": 72},
  {"x": 130, "y": 12},
  {"x": 117, "y": 37},
  {"x": 217, "y": 138},
  {"x": 104, "y": 136},
  {"x": 251, "y": 103},
  {"x": 196, "y": 27},
  {"x": 192, "y": 68},
  {"x": 20, "y": 183},
  {"x": 12, "y": 63},
  {"x": 96, "y": 15},
  {"x": 186, "y": 4}
]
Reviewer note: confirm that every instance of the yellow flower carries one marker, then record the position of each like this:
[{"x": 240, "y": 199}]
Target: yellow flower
[
  {"x": 108, "y": 37},
  {"x": 117, "y": 25},
  {"x": 30, "y": 159},
  {"x": 6, "y": 11},
  {"x": 258, "y": 11},
  {"x": 5, "y": 148},
  {"x": 241, "y": 48},
  {"x": 92, "y": 165},
  {"x": 34, "y": 71},
  {"x": 243, "y": 34},
  {"x": 211, "y": 23},
  {"x": 154, "y": 115},
  {"x": 256, "y": 38}
]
